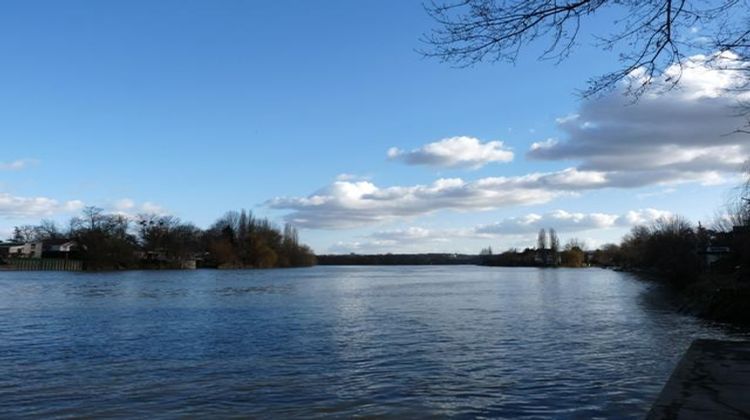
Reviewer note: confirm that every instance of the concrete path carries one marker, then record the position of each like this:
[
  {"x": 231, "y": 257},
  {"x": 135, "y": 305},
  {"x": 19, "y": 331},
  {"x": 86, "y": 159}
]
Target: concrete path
[{"x": 712, "y": 381}]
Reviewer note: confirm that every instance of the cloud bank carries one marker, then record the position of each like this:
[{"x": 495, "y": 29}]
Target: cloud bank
[
  {"x": 564, "y": 221},
  {"x": 346, "y": 204},
  {"x": 462, "y": 151},
  {"x": 15, "y": 207},
  {"x": 687, "y": 132},
  {"x": 129, "y": 208},
  {"x": 515, "y": 230}
]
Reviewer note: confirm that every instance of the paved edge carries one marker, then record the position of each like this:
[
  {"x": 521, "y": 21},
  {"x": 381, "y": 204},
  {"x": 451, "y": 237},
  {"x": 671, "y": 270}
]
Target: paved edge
[{"x": 712, "y": 380}]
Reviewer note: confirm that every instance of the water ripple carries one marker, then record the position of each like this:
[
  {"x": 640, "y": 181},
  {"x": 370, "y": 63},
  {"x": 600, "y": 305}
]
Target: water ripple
[{"x": 414, "y": 342}]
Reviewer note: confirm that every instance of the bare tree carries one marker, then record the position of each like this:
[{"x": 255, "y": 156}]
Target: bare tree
[
  {"x": 24, "y": 233},
  {"x": 91, "y": 218},
  {"x": 654, "y": 34},
  {"x": 554, "y": 241},
  {"x": 736, "y": 211},
  {"x": 48, "y": 229},
  {"x": 541, "y": 239},
  {"x": 574, "y": 243}
]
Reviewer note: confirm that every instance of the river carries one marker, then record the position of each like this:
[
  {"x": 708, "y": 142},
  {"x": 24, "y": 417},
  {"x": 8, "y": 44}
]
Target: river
[{"x": 459, "y": 341}]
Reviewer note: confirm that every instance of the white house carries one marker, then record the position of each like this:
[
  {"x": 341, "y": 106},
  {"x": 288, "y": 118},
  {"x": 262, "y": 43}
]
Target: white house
[
  {"x": 27, "y": 250},
  {"x": 59, "y": 246}
]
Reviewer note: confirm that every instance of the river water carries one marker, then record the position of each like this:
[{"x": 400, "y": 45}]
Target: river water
[{"x": 459, "y": 341}]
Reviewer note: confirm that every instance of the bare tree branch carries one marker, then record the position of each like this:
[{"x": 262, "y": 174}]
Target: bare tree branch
[{"x": 654, "y": 34}]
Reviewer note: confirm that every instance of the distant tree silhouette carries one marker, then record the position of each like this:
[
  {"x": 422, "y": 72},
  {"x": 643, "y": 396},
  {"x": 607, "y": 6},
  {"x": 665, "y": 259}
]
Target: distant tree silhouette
[
  {"x": 573, "y": 257},
  {"x": 105, "y": 240},
  {"x": 167, "y": 237},
  {"x": 668, "y": 246},
  {"x": 541, "y": 241},
  {"x": 238, "y": 239},
  {"x": 47, "y": 230},
  {"x": 24, "y": 233},
  {"x": 113, "y": 241},
  {"x": 554, "y": 241},
  {"x": 575, "y": 243}
]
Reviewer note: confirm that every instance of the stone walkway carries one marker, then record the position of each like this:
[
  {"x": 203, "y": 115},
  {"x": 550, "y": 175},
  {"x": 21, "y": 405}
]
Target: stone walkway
[{"x": 712, "y": 381}]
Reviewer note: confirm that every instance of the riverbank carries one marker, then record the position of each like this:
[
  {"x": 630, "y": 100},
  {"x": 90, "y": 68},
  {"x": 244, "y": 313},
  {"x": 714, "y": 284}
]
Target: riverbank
[
  {"x": 709, "y": 382},
  {"x": 717, "y": 297},
  {"x": 713, "y": 296}
]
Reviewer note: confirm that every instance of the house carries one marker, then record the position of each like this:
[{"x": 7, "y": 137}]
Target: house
[
  {"x": 27, "y": 250},
  {"x": 713, "y": 254},
  {"x": 51, "y": 248},
  {"x": 58, "y": 248},
  {"x": 5, "y": 248}
]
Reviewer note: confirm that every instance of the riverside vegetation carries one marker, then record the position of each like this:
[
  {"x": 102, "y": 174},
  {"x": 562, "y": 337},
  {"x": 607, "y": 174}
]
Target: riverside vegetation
[
  {"x": 709, "y": 267},
  {"x": 115, "y": 242},
  {"x": 670, "y": 250}
]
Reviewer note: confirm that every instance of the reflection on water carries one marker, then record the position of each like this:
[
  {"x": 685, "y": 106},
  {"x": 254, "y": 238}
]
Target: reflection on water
[{"x": 342, "y": 341}]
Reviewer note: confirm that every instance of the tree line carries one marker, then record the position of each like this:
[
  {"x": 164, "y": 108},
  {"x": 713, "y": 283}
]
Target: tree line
[
  {"x": 548, "y": 253},
  {"x": 676, "y": 250},
  {"x": 113, "y": 241},
  {"x": 672, "y": 248}
]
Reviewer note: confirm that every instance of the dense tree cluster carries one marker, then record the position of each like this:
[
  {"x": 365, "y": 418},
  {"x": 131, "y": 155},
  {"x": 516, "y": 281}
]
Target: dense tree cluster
[
  {"x": 676, "y": 250},
  {"x": 114, "y": 241},
  {"x": 239, "y": 240},
  {"x": 105, "y": 241},
  {"x": 573, "y": 254},
  {"x": 669, "y": 246}
]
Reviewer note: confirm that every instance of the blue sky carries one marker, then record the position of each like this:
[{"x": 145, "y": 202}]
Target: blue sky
[{"x": 197, "y": 107}]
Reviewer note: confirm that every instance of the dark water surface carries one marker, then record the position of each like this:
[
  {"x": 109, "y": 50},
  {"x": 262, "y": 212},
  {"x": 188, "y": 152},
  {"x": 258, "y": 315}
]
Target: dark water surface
[{"x": 338, "y": 341}]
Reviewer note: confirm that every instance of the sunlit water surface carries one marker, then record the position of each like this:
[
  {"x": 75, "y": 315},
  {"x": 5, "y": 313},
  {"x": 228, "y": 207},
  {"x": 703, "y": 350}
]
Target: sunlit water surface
[{"x": 338, "y": 341}]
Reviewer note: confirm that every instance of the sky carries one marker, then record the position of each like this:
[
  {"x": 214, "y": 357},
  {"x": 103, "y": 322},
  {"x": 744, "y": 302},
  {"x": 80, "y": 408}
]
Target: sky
[{"x": 326, "y": 116}]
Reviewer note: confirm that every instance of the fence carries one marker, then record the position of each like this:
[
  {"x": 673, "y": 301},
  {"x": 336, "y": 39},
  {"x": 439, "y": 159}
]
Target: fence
[{"x": 42, "y": 264}]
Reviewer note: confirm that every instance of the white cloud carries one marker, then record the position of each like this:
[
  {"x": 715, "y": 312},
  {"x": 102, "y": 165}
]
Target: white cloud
[
  {"x": 131, "y": 209},
  {"x": 17, "y": 165},
  {"x": 351, "y": 177},
  {"x": 564, "y": 221},
  {"x": 462, "y": 151},
  {"x": 13, "y": 207},
  {"x": 684, "y": 134},
  {"x": 345, "y": 204},
  {"x": 124, "y": 204},
  {"x": 412, "y": 233},
  {"x": 641, "y": 217},
  {"x": 687, "y": 134}
]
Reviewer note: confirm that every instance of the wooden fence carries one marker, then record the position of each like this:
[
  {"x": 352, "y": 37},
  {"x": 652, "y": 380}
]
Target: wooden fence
[{"x": 42, "y": 264}]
